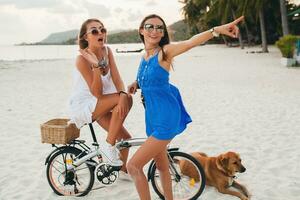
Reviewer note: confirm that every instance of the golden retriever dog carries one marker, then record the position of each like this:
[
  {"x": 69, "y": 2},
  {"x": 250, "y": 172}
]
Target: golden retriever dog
[{"x": 220, "y": 172}]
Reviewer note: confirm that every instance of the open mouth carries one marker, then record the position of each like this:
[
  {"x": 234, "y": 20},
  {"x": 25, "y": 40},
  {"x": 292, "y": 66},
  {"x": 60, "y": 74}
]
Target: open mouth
[{"x": 100, "y": 40}]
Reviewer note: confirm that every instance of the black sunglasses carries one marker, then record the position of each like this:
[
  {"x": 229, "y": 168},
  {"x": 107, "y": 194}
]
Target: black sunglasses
[
  {"x": 96, "y": 31},
  {"x": 150, "y": 28}
]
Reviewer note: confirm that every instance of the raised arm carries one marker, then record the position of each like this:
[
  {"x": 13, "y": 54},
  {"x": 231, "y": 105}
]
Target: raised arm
[
  {"x": 229, "y": 29},
  {"x": 91, "y": 76}
]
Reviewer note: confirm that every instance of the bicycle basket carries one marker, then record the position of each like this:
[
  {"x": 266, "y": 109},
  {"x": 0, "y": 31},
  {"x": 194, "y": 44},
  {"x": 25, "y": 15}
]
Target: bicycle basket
[{"x": 58, "y": 131}]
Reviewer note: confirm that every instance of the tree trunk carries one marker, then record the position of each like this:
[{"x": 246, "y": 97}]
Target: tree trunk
[
  {"x": 241, "y": 41},
  {"x": 248, "y": 34},
  {"x": 225, "y": 41},
  {"x": 284, "y": 21},
  {"x": 263, "y": 30}
]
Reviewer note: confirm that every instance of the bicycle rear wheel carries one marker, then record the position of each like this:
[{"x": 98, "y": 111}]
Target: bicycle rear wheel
[
  {"x": 184, "y": 185},
  {"x": 75, "y": 182}
]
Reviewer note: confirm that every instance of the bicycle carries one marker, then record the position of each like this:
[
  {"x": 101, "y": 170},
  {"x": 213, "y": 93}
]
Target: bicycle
[{"x": 72, "y": 168}]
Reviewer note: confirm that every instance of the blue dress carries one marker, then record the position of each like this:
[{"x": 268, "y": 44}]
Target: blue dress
[{"x": 165, "y": 114}]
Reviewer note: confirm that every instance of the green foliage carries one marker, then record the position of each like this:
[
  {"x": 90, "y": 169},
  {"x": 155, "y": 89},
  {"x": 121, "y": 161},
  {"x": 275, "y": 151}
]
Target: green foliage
[
  {"x": 124, "y": 37},
  {"x": 60, "y": 37},
  {"x": 294, "y": 21},
  {"x": 70, "y": 41},
  {"x": 287, "y": 45},
  {"x": 179, "y": 31},
  {"x": 223, "y": 11}
]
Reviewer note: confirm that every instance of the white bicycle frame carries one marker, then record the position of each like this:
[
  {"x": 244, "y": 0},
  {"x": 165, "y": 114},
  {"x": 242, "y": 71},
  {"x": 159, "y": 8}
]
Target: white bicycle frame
[{"x": 119, "y": 145}]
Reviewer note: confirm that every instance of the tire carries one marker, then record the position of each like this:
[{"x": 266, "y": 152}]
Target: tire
[
  {"x": 193, "y": 188},
  {"x": 69, "y": 182}
]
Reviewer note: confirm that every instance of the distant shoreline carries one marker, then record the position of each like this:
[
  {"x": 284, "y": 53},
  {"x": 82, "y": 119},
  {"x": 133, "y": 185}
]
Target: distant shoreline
[
  {"x": 122, "y": 37},
  {"x": 42, "y": 44}
]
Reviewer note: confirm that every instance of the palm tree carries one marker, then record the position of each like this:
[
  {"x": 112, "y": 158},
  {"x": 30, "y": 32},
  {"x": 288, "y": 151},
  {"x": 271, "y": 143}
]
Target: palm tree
[
  {"x": 284, "y": 21},
  {"x": 258, "y": 7},
  {"x": 194, "y": 12},
  {"x": 242, "y": 10},
  {"x": 222, "y": 11},
  {"x": 263, "y": 29},
  {"x": 226, "y": 10}
]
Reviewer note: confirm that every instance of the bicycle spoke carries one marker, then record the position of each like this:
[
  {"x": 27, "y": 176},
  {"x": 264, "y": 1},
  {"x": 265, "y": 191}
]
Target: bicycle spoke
[
  {"x": 75, "y": 182},
  {"x": 56, "y": 168},
  {"x": 183, "y": 187}
]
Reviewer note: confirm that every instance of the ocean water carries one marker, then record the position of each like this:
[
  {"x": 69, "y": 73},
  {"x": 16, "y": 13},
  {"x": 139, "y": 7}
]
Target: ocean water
[{"x": 50, "y": 52}]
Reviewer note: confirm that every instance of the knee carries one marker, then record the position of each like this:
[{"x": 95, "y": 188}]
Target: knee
[
  {"x": 162, "y": 168},
  {"x": 124, "y": 136},
  {"x": 133, "y": 169},
  {"x": 162, "y": 163}
]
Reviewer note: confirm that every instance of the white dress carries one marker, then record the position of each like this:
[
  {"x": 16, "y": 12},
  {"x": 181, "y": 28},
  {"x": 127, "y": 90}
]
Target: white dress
[{"x": 82, "y": 103}]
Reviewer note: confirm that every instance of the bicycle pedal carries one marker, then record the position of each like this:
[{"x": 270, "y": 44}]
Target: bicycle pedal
[
  {"x": 111, "y": 167},
  {"x": 116, "y": 168}
]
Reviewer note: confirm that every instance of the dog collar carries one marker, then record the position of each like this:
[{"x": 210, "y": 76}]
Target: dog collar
[{"x": 226, "y": 174}]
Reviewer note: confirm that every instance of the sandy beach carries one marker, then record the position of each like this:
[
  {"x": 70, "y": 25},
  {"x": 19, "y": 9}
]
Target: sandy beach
[{"x": 238, "y": 101}]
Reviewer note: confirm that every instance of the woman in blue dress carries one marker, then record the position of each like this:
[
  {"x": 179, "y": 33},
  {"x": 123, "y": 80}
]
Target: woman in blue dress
[{"x": 165, "y": 114}]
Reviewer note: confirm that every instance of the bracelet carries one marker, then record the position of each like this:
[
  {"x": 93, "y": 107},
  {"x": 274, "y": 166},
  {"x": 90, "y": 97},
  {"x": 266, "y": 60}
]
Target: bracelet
[
  {"x": 121, "y": 91},
  {"x": 214, "y": 32},
  {"x": 94, "y": 66}
]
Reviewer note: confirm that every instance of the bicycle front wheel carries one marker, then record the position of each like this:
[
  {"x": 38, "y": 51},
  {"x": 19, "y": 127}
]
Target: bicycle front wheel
[
  {"x": 183, "y": 186},
  {"x": 75, "y": 182}
]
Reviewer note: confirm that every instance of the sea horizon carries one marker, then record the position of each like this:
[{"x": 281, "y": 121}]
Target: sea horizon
[{"x": 50, "y": 52}]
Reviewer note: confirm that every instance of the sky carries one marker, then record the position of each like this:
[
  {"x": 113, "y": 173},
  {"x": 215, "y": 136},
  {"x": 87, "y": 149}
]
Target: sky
[{"x": 33, "y": 20}]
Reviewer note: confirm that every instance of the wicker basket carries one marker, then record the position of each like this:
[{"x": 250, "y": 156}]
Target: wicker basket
[{"x": 58, "y": 131}]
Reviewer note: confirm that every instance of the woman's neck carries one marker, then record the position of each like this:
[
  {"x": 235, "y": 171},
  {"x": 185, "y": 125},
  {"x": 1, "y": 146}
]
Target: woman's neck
[
  {"x": 98, "y": 51},
  {"x": 151, "y": 49}
]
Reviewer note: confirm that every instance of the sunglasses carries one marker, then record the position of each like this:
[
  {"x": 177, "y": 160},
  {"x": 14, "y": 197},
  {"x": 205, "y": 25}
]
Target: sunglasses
[
  {"x": 96, "y": 31},
  {"x": 150, "y": 28}
]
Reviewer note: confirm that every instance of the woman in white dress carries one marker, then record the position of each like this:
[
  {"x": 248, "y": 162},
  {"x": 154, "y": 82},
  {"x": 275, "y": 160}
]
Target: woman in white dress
[{"x": 99, "y": 93}]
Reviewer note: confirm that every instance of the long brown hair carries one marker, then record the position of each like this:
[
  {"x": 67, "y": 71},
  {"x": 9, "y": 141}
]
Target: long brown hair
[
  {"x": 81, "y": 39},
  {"x": 164, "y": 40}
]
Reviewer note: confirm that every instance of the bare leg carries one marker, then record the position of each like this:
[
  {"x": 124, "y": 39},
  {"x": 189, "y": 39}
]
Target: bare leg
[
  {"x": 162, "y": 164},
  {"x": 105, "y": 105},
  {"x": 123, "y": 134},
  {"x": 116, "y": 123},
  {"x": 150, "y": 149}
]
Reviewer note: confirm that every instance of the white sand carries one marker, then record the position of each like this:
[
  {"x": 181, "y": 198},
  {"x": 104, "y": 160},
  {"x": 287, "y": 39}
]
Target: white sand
[{"x": 248, "y": 103}]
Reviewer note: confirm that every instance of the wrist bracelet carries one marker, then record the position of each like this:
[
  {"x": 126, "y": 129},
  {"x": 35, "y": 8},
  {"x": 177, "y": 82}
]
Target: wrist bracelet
[
  {"x": 214, "y": 32},
  {"x": 120, "y": 92},
  {"x": 94, "y": 66}
]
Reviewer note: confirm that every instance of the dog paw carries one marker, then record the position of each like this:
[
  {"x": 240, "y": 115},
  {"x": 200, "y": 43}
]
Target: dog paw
[{"x": 248, "y": 195}]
